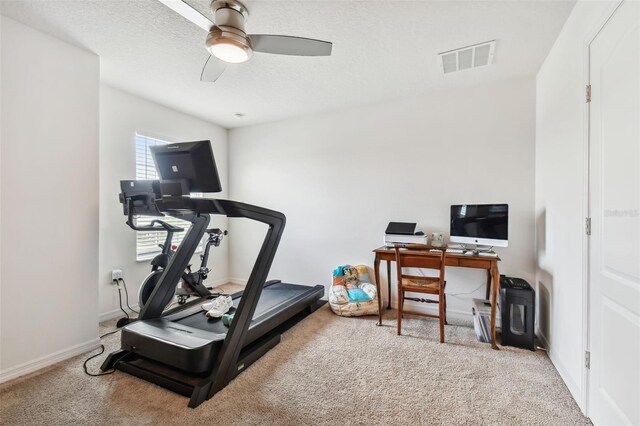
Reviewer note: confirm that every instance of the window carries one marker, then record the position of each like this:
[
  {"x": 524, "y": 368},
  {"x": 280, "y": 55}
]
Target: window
[{"x": 147, "y": 243}]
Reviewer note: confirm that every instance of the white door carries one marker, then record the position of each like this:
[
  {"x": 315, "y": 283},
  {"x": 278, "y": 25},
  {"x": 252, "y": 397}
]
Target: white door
[{"x": 614, "y": 319}]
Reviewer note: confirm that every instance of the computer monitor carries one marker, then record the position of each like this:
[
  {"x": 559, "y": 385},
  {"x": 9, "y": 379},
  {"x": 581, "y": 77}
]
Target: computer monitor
[
  {"x": 189, "y": 165},
  {"x": 482, "y": 224}
]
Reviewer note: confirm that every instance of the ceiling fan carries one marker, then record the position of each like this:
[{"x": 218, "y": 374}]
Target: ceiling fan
[{"x": 227, "y": 41}]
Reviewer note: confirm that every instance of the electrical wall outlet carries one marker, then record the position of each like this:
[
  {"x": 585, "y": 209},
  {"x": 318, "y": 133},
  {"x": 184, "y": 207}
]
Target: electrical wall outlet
[{"x": 116, "y": 274}]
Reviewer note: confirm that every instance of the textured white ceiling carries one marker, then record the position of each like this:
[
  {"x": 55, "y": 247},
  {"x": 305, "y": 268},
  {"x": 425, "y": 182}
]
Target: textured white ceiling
[{"x": 382, "y": 50}]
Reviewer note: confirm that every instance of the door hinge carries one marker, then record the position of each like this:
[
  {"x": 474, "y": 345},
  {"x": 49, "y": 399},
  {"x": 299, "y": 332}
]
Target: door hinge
[
  {"x": 588, "y": 93},
  {"x": 587, "y": 225},
  {"x": 587, "y": 359}
]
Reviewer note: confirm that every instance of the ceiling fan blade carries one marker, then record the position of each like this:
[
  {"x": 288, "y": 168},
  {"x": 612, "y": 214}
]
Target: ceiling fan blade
[
  {"x": 189, "y": 13},
  {"x": 287, "y": 45},
  {"x": 212, "y": 70}
]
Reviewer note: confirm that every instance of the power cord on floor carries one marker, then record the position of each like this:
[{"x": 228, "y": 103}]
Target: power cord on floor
[
  {"x": 104, "y": 373},
  {"x": 120, "y": 323}
]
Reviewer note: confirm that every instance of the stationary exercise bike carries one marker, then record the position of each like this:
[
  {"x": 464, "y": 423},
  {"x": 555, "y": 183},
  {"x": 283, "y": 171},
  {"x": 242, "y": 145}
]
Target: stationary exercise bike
[{"x": 191, "y": 283}]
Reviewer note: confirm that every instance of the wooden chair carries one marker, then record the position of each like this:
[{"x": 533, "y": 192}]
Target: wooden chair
[{"x": 420, "y": 256}]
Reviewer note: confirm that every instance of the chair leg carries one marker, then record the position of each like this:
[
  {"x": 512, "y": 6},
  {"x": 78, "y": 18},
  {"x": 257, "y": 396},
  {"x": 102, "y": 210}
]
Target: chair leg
[
  {"x": 444, "y": 296},
  {"x": 400, "y": 306},
  {"x": 441, "y": 306}
]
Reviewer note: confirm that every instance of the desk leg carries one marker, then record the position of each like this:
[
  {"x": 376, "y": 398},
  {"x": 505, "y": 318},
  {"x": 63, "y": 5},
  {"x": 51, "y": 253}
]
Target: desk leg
[
  {"x": 494, "y": 302},
  {"x": 389, "y": 283},
  {"x": 376, "y": 269},
  {"x": 488, "y": 291}
]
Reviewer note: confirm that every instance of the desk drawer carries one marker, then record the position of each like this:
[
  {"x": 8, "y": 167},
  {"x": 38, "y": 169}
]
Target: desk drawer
[
  {"x": 452, "y": 261},
  {"x": 474, "y": 263}
]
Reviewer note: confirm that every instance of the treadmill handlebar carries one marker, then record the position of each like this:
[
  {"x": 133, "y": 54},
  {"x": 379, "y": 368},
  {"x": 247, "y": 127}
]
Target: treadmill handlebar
[
  {"x": 177, "y": 206},
  {"x": 187, "y": 208}
]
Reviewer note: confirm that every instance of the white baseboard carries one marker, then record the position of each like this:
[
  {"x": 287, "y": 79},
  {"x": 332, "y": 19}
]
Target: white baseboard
[
  {"x": 239, "y": 281},
  {"x": 543, "y": 338},
  {"x": 45, "y": 361},
  {"x": 573, "y": 387},
  {"x": 116, "y": 313},
  {"x": 218, "y": 283}
]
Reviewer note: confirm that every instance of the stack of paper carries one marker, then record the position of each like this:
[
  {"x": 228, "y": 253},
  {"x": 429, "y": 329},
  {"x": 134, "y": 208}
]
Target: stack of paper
[{"x": 482, "y": 319}]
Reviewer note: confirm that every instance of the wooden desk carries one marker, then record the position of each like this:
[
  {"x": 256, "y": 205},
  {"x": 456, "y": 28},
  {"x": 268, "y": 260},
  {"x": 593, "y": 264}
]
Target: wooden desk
[{"x": 490, "y": 264}]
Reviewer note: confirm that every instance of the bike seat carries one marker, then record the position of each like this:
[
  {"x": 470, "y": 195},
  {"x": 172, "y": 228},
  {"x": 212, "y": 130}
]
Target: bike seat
[{"x": 214, "y": 231}]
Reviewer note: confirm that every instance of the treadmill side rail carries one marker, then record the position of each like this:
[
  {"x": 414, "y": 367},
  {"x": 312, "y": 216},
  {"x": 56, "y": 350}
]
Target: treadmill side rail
[{"x": 228, "y": 356}]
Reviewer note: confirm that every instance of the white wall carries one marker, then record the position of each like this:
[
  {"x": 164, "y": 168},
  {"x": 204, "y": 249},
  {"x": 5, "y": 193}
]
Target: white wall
[
  {"x": 340, "y": 177},
  {"x": 49, "y": 200},
  {"x": 1, "y": 20},
  {"x": 121, "y": 116},
  {"x": 560, "y": 193}
]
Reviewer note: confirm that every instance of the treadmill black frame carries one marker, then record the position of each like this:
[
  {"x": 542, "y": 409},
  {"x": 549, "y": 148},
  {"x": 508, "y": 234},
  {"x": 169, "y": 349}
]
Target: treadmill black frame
[{"x": 224, "y": 368}]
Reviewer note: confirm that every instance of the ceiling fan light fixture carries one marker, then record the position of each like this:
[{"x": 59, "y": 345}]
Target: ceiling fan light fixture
[
  {"x": 228, "y": 46},
  {"x": 228, "y": 42},
  {"x": 229, "y": 52}
]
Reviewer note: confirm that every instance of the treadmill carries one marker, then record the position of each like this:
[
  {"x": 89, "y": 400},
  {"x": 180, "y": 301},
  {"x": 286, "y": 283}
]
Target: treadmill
[{"x": 182, "y": 349}]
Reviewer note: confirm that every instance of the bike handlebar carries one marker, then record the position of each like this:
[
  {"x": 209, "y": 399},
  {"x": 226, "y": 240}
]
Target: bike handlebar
[
  {"x": 164, "y": 226},
  {"x": 167, "y": 226}
]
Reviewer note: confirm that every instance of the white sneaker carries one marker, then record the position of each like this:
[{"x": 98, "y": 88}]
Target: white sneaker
[
  {"x": 208, "y": 305},
  {"x": 218, "y": 306}
]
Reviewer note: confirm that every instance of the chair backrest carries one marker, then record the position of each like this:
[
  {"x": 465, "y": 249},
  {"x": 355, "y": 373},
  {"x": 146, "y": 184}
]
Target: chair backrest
[{"x": 420, "y": 256}]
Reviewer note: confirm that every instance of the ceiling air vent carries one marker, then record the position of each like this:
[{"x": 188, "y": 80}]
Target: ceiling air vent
[{"x": 464, "y": 58}]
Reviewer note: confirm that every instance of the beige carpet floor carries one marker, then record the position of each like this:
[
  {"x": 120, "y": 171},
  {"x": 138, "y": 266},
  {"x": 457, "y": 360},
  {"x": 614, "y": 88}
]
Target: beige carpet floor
[
  {"x": 327, "y": 370},
  {"x": 229, "y": 288}
]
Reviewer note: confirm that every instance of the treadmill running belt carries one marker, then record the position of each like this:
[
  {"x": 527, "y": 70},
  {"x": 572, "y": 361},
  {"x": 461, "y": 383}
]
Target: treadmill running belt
[{"x": 271, "y": 297}]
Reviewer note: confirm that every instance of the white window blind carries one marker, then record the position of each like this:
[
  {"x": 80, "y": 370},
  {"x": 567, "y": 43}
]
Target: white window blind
[{"x": 147, "y": 242}]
